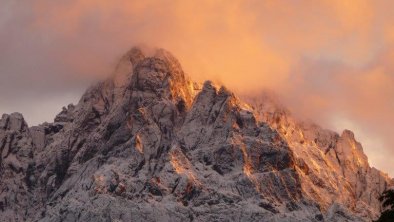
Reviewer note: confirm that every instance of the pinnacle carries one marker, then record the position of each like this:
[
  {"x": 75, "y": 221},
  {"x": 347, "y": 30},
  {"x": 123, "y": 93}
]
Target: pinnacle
[
  {"x": 348, "y": 134},
  {"x": 14, "y": 121}
]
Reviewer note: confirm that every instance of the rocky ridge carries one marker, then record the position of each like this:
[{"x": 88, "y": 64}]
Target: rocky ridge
[{"x": 148, "y": 144}]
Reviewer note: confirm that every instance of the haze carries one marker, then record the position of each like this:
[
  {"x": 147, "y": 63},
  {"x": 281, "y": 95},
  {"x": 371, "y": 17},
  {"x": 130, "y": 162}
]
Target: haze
[{"x": 329, "y": 61}]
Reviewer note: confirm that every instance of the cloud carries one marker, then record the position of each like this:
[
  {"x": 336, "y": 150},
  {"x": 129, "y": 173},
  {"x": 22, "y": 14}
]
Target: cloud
[{"x": 330, "y": 60}]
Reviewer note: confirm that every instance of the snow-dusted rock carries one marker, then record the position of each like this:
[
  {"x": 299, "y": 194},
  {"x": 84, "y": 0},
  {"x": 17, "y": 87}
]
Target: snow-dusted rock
[
  {"x": 150, "y": 145},
  {"x": 333, "y": 169}
]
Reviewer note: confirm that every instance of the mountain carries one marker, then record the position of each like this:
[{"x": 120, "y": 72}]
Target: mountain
[{"x": 148, "y": 144}]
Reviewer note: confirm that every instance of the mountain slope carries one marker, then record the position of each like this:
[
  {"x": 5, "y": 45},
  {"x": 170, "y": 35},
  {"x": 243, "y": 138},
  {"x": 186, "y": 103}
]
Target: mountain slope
[
  {"x": 150, "y": 145},
  {"x": 333, "y": 168}
]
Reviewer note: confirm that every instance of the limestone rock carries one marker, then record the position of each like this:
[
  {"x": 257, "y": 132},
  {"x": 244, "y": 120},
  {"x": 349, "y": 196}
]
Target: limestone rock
[{"x": 150, "y": 145}]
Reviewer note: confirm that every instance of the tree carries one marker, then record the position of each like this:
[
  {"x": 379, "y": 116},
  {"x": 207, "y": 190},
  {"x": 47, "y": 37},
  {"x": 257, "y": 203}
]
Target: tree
[{"x": 387, "y": 200}]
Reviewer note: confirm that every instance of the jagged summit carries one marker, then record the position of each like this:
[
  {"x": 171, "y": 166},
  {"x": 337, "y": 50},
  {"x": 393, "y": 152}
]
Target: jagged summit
[
  {"x": 148, "y": 144},
  {"x": 160, "y": 73},
  {"x": 15, "y": 122}
]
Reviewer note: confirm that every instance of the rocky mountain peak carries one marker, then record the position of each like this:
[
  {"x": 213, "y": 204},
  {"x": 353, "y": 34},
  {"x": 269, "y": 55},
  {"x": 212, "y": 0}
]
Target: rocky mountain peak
[
  {"x": 163, "y": 76},
  {"x": 148, "y": 144},
  {"x": 157, "y": 72},
  {"x": 14, "y": 121},
  {"x": 348, "y": 134}
]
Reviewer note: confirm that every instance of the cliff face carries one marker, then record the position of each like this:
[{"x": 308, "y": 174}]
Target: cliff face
[
  {"x": 333, "y": 168},
  {"x": 150, "y": 145}
]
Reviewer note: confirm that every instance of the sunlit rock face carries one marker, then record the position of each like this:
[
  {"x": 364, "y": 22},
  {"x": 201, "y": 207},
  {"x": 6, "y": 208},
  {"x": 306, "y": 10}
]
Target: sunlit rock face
[
  {"x": 148, "y": 144},
  {"x": 333, "y": 169}
]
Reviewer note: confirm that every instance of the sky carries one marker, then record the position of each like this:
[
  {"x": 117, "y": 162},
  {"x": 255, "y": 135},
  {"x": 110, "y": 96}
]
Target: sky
[{"x": 330, "y": 61}]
